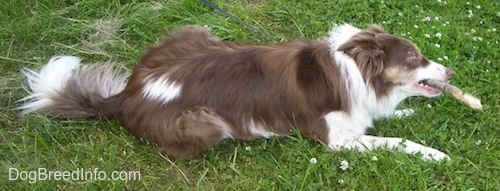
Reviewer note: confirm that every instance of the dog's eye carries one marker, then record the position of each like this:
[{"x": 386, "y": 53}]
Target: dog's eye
[{"x": 412, "y": 56}]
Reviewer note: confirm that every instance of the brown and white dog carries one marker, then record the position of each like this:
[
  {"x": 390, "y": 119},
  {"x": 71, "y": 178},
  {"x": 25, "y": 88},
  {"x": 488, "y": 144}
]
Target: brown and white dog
[{"x": 192, "y": 90}]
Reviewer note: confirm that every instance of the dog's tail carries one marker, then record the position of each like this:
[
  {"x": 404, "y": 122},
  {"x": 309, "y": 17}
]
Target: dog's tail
[{"x": 63, "y": 88}]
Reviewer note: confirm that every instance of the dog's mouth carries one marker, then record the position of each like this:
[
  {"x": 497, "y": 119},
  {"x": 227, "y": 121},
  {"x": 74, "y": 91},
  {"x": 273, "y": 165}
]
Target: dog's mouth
[{"x": 424, "y": 88}]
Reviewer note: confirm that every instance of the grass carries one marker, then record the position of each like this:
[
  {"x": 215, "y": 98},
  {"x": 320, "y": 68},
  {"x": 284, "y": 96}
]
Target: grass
[{"x": 104, "y": 30}]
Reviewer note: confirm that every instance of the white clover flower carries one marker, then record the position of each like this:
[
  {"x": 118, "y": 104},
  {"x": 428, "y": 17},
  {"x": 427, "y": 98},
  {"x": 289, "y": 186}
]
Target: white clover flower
[
  {"x": 313, "y": 160},
  {"x": 437, "y": 45},
  {"x": 498, "y": 14},
  {"x": 439, "y": 1},
  {"x": 248, "y": 148},
  {"x": 478, "y": 142},
  {"x": 468, "y": 3},
  {"x": 445, "y": 57},
  {"x": 436, "y": 18},
  {"x": 415, "y": 26},
  {"x": 439, "y": 35},
  {"x": 344, "y": 165},
  {"x": 478, "y": 7},
  {"x": 440, "y": 59},
  {"x": 341, "y": 181},
  {"x": 469, "y": 13},
  {"x": 374, "y": 158},
  {"x": 476, "y": 38},
  {"x": 494, "y": 29},
  {"x": 344, "y": 168},
  {"x": 426, "y": 19},
  {"x": 400, "y": 14},
  {"x": 427, "y": 35},
  {"x": 429, "y": 105}
]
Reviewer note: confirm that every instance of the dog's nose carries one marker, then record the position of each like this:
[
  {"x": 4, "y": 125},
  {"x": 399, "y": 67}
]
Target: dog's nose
[{"x": 449, "y": 73}]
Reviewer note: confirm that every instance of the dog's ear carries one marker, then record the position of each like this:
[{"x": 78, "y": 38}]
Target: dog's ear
[
  {"x": 366, "y": 50},
  {"x": 375, "y": 29}
]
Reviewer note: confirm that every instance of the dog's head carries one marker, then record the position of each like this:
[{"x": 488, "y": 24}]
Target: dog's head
[{"x": 390, "y": 63}]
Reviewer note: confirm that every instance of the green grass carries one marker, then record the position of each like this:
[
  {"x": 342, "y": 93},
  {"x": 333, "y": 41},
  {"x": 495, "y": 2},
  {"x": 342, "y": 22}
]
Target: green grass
[{"x": 104, "y": 30}]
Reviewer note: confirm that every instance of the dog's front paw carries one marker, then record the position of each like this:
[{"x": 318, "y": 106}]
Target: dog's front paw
[
  {"x": 436, "y": 155},
  {"x": 428, "y": 153}
]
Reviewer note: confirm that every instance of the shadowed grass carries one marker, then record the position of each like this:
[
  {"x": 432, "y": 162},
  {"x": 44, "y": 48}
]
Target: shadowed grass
[{"x": 461, "y": 35}]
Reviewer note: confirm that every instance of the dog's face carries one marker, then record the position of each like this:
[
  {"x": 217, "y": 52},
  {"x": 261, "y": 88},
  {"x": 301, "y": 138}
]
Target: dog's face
[
  {"x": 390, "y": 63},
  {"x": 406, "y": 68}
]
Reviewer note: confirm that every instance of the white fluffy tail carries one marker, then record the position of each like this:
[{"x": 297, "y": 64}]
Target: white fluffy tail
[
  {"x": 64, "y": 88},
  {"x": 51, "y": 79}
]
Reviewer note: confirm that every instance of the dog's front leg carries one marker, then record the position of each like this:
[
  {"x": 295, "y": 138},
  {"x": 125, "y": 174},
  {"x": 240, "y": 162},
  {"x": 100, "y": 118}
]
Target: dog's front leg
[{"x": 367, "y": 142}]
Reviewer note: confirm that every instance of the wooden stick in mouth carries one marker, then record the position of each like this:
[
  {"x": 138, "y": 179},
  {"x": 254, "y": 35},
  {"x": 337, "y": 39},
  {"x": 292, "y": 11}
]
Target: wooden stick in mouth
[{"x": 466, "y": 98}]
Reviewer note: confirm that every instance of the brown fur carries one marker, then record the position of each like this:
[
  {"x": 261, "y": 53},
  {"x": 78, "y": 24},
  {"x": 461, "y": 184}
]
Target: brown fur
[{"x": 287, "y": 72}]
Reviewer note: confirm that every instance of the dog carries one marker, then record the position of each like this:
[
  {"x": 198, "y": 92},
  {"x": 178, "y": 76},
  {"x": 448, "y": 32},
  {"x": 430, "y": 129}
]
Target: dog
[{"x": 192, "y": 90}]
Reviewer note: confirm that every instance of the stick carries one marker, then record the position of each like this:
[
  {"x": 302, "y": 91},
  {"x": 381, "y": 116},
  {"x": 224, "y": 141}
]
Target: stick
[{"x": 466, "y": 98}]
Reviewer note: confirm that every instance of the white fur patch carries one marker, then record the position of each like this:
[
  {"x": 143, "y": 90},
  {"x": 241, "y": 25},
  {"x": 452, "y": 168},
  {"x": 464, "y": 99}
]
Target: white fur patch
[
  {"x": 47, "y": 83},
  {"x": 227, "y": 134},
  {"x": 258, "y": 130},
  {"x": 341, "y": 34},
  {"x": 341, "y": 125},
  {"x": 348, "y": 68},
  {"x": 431, "y": 71},
  {"x": 161, "y": 89}
]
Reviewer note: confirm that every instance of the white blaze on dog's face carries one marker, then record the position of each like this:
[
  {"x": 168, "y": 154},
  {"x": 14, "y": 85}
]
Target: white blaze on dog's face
[{"x": 432, "y": 71}]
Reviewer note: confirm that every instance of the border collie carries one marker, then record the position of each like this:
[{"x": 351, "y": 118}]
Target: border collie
[{"x": 192, "y": 90}]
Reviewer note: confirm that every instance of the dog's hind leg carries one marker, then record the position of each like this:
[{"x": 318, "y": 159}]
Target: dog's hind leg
[{"x": 197, "y": 130}]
